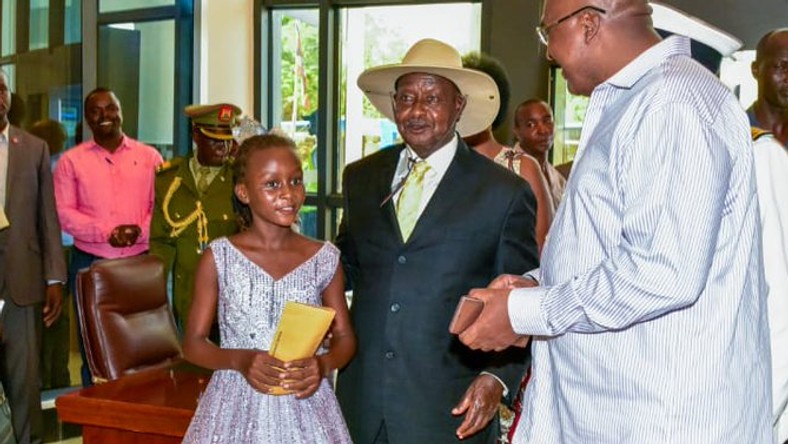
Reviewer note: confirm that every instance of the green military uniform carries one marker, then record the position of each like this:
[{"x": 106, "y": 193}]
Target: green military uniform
[
  {"x": 185, "y": 219},
  {"x": 176, "y": 224}
]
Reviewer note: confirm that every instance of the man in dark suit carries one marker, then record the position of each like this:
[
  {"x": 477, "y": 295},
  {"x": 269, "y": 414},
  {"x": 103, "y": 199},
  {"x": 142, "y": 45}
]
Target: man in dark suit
[
  {"x": 32, "y": 267},
  {"x": 423, "y": 223}
]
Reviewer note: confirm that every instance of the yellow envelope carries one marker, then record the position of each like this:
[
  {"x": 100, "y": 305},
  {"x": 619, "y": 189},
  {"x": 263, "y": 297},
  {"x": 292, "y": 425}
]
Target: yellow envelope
[{"x": 301, "y": 329}]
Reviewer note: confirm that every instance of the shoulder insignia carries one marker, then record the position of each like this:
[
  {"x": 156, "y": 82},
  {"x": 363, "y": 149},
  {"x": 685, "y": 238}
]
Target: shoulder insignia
[
  {"x": 757, "y": 133},
  {"x": 169, "y": 165}
]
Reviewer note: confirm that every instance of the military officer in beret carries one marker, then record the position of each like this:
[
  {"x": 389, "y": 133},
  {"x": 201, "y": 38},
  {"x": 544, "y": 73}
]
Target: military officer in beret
[{"x": 193, "y": 203}]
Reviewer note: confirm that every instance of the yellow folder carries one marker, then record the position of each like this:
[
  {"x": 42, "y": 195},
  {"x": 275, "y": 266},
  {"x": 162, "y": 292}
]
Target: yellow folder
[{"x": 301, "y": 329}]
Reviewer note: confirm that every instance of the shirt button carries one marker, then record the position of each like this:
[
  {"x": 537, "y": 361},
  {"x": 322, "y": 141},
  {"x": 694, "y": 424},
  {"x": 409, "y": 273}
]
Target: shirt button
[
  {"x": 395, "y": 307},
  {"x": 402, "y": 259},
  {"x": 389, "y": 355}
]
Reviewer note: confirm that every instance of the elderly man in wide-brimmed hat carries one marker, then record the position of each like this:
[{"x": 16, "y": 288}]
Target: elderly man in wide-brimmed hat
[{"x": 423, "y": 223}]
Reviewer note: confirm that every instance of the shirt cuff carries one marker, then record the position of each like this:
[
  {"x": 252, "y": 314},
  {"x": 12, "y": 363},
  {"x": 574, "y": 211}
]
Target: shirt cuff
[
  {"x": 505, "y": 388},
  {"x": 535, "y": 274},
  {"x": 525, "y": 311},
  {"x": 54, "y": 281}
]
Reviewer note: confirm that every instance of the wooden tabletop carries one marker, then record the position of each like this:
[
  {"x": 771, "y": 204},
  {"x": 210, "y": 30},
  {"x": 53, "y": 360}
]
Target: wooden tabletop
[{"x": 160, "y": 401}]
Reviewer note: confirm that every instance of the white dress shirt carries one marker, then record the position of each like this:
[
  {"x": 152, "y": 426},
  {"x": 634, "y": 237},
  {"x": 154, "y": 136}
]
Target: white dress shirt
[
  {"x": 439, "y": 162},
  {"x": 651, "y": 325},
  {"x": 771, "y": 170}
]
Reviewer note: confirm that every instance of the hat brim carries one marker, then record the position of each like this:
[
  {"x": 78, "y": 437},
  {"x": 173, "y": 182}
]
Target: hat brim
[
  {"x": 214, "y": 135},
  {"x": 480, "y": 89}
]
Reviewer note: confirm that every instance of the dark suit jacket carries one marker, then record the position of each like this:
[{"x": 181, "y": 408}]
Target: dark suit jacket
[
  {"x": 409, "y": 371},
  {"x": 30, "y": 249}
]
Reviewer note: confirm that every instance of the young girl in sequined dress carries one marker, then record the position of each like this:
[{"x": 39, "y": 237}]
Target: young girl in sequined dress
[{"x": 245, "y": 280}]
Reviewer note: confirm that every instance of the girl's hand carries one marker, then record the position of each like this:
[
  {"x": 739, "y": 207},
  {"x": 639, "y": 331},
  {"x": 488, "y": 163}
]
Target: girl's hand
[
  {"x": 303, "y": 377},
  {"x": 261, "y": 370}
]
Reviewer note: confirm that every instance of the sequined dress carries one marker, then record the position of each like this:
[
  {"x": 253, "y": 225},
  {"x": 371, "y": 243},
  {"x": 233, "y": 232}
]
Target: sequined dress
[{"x": 250, "y": 304}]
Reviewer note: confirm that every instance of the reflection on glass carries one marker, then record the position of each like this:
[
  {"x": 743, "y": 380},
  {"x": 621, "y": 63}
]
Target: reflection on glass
[
  {"x": 308, "y": 221},
  {"x": 375, "y": 36},
  {"x": 8, "y": 28},
  {"x": 295, "y": 83},
  {"x": 39, "y": 24},
  {"x": 73, "y": 22},
  {"x": 569, "y": 111},
  {"x": 125, "y": 5},
  {"x": 145, "y": 82}
]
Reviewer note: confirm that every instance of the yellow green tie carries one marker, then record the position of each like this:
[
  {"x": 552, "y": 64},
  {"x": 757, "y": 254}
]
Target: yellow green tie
[
  {"x": 202, "y": 178},
  {"x": 410, "y": 199}
]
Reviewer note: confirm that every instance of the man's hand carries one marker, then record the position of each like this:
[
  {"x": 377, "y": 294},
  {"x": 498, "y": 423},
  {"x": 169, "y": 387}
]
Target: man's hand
[
  {"x": 479, "y": 404},
  {"x": 124, "y": 235},
  {"x": 492, "y": 330},
  {"x": 54, "y": 303},
  {"x": 510, "y": 281}
]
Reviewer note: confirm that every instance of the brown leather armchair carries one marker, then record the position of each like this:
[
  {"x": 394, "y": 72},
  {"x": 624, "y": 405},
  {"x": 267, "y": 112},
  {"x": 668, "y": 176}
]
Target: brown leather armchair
[{"x": 124, "y": 318}]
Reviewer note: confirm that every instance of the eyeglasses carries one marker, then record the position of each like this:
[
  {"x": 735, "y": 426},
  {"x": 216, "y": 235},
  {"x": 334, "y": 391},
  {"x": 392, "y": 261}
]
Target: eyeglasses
[{"x": 543, "y": 31}]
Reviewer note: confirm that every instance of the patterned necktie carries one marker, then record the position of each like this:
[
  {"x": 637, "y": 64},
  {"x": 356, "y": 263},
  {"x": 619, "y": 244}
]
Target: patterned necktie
[
  {"x": 202, "y": 178},
  {"x": 410, "y": 199}
]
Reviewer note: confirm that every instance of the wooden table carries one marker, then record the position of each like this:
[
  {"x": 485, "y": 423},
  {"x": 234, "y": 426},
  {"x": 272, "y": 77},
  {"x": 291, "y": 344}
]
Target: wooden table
[{"x": 150, "y": 407}]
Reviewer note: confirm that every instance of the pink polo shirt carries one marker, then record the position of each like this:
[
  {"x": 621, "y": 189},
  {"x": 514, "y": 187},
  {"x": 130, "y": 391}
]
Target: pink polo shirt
[{"x": 97, "y": 190}]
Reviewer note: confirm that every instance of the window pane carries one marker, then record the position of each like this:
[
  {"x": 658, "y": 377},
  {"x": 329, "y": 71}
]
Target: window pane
[
  {"x": 8, "y": 28},
  {"x": 308, "y": 221},
  {"x": 374, "y": 36},
  {"x": 295, "y": 73},
  {"x": 125, "y": 5},
  {"x": 145, "y": 82},
  {"x": 39, "y": 24},
  {"x": 569, "y": 110},
  {"x": 73, "y": 22}
]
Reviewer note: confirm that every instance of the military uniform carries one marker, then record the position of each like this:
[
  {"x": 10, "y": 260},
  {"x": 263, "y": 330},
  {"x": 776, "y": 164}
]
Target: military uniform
[
  {"x": 188, "y": 212},
  {"x": 177, "y": 225}
]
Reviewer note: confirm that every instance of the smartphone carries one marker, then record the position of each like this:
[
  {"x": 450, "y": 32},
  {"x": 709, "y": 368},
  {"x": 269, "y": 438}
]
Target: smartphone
[{"x": 468, "y": 309}]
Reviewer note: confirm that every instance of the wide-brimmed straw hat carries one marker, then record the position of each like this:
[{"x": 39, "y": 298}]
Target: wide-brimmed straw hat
[{"x": 435, "y": 57}]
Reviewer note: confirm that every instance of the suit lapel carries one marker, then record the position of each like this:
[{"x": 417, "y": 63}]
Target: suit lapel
[
  {"x": 14, "y": 153},
  {"x": 383, "y": 187}
]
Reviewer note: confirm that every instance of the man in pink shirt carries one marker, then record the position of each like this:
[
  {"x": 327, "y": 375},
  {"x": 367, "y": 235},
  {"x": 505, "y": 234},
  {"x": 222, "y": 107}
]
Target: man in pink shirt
[{"x": 104, "y": 190}]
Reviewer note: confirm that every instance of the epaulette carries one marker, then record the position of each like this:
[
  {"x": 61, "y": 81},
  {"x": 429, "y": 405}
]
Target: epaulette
[
  {"x": 757, "y": 133},
  {"x": 169, "y": 165}
]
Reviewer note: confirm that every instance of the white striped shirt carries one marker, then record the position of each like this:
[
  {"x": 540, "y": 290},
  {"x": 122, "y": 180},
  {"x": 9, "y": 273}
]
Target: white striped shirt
[{"x": 651, "y": 323}]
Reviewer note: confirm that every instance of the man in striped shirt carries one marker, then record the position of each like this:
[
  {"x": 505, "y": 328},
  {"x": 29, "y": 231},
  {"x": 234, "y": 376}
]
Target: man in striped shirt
[{"x": 649, "y": 319}]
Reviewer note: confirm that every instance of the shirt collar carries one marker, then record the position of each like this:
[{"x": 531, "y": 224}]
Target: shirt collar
[
  {"x": 195, "y": 165},
  {"x": 123, "y": 144},
  {"x": 440, "y": 159},
  {"x": 642, "y": 64},
  {"x": 6, "y": 133}
]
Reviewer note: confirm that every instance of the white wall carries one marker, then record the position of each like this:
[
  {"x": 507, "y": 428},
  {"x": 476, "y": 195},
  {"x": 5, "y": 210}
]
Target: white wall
[{"x": 226, "y": 43}]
